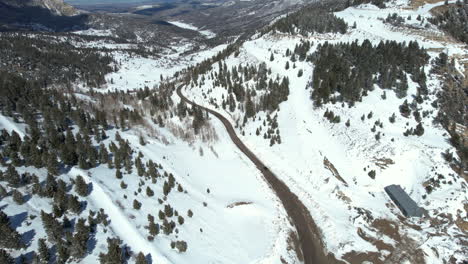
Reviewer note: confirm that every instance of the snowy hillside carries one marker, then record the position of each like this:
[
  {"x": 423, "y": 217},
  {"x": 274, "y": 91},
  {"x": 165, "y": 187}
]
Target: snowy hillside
[
  {"x": 329, "y": 164},
  {"x": 101, "y": 161},
  {"x": 202, "y": 191},
  {"x": 229, "y": 199}
]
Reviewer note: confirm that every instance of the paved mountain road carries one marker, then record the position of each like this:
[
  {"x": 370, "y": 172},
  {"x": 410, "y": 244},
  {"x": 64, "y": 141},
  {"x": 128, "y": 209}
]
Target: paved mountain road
[{"x": 309, "y": 234}]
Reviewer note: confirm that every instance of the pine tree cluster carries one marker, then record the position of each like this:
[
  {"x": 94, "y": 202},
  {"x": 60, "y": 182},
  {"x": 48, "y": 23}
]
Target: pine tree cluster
[
  {"x": 51, "y": 61},
  {"x": 454, "y": 21},
  {"x": 310, "y": 19},
  {"x": 352, "y": 69}
]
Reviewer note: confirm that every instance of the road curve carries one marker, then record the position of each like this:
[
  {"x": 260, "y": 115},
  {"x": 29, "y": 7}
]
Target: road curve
[{"x": 309, "y": 234}]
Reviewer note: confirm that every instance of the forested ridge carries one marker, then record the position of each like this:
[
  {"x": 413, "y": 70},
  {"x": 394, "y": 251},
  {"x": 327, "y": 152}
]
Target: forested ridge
[
  {"x": 351, "y": 69},
  {"x": 314, "y": 18},
  {"x": 454, "y": 21},
  {"x": 52, "y": 62}
]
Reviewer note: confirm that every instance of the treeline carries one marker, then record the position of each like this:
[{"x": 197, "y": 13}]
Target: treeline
[
  {"x": 452, "y": 101},
  {"x": 454, "y": 21},
  {"x": 52, "y": 62},
  {"x": 352, "y": 69},
  {"x": 313, "y": 18},
  {"x": 378, "y": 3}
]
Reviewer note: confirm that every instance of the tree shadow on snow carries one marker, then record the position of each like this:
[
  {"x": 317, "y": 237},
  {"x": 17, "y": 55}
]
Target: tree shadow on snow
[
  {"x": 25, "y": 258},
  {"x": 90, "y": 188},
  {"x": 149, "y": 259},
  {"x": 27, "y": 197},
  {"x": 91, "y": 245},
  {"x": 17, "y": 220},
  {"x": 28, "y": 236}
]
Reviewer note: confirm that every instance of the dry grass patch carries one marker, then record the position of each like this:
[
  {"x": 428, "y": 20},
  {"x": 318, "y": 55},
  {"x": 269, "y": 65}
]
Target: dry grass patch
[
  {"x": 329, "y": 166},
  {"x": 383, "y": 163},
  {"x": 238, "y": 204}
]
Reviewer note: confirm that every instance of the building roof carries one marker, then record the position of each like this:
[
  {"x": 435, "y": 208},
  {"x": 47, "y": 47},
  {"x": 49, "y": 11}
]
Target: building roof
[{"x": 403, "y": 201}]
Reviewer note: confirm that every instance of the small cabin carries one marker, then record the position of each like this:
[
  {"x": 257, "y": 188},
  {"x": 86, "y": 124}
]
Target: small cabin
[{"x": 407, "y": 206}]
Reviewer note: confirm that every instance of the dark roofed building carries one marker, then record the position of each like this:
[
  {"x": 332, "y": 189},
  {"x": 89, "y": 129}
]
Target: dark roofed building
[{"x": 407, "y": 206}]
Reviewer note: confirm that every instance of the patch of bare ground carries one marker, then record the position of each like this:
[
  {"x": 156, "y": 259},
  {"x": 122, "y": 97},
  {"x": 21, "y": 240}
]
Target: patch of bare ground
[
  {"x": 238, "y": 204},
  {"x": 387, "y": 227},
  {"x": 343, "y": 197},
  {"x": 404, "y": 248},
  {"x": 461, "y": 222},
  {"x": 294, "y": 244},
  {"x": 379, "y": 244},
  {"x": 417, "y": 3},
  {"x": 429, "y": 35},
  {"x": 354, "y": 257},
  {"x": 383, "y": 163},
  {"x": 329, "y": 166}
]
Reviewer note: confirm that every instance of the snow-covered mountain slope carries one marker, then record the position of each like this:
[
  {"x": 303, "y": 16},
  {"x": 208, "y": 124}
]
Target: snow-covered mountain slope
[
  {"x": 199, "y": 189},
  {"x": 228, "y": 200},
  {"x": 328, "y": 164},
  {"x": 220, "y": 205}
]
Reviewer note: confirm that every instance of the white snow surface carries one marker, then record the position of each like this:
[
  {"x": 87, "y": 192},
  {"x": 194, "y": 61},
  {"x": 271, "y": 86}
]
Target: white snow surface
[{"x": 206, "y": 33}]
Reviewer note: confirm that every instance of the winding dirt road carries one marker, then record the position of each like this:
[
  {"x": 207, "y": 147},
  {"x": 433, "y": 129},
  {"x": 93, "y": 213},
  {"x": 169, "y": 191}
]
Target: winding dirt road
[{"x": 309, "y": 234}]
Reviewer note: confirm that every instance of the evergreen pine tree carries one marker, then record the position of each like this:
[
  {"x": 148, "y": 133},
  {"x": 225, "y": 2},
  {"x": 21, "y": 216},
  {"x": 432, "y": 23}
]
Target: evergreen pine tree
[
  {"x": 18, "y": 197},
  {"x": 153, "y": 229},
  {"x": 136, "y": 204},
  {"x": 103, "y": 154},
  {"x": 53, "y": 164},
  {"x": 114, "y": 253},
  {"x": 44, "y": 254},
  {"x": 81, "y": 187},
  {"x": 82, "y": 163},
  {"x": 142, "y": 141},
  {"x": 3, "y": 192},
  {"x": 118, "y": 174},
  {"x": 141, "y": 259},
  {"x": 80, "y": 239},
  {"x": 52, "y": 227},
  {"x": 12, "y": 176},
  {"x": 62, "y": 254},
  {"x": 149, "y": 192},
  {"x": 5, "y": 257},
  {"x": 181, "y": 246},
  {"x": 419, "y": 131},
  {"x": 9, "y": 238}
]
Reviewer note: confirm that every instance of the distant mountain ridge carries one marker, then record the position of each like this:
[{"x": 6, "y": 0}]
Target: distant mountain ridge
[
  {"x": 57, "y": 7},
  {"x": 40, "y": 15}
]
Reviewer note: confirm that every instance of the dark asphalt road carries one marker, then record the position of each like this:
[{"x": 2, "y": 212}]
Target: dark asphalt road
[{"x": 309, "y": 234}]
